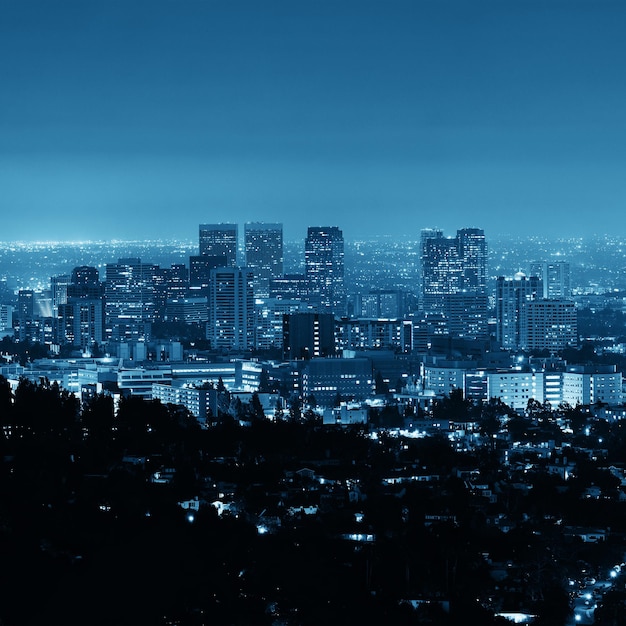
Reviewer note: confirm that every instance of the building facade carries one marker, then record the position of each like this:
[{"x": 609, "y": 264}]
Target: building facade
[
  {"x": 264, "y": 254},
  {"x": 219, "y": 240},
  {"x": 454, "y": 279},
  {"x": 308, "y": 335},
  {"x": 329, "y": 381},
  {"x": 324, "y": 264},
  {"x": 555, "y": 277},
  {"x": 130, "y": 299},
  {"x": 231, "y": 309},
  {"x": 511, "y": 295}
]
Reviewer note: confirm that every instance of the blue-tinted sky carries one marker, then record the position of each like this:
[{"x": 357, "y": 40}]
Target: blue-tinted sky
[{"x": 139, "y": 119}]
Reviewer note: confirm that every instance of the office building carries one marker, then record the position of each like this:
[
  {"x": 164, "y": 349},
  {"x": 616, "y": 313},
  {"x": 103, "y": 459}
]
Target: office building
[
  {"x": 308, "y": 335},
  {"x": 549, "y": 325},
  {"x": 79, "y": 308},
  {"x": 377, "y": 303},
  {"x": 25, "y": 304},
  {"x": 6, "y": 317},
  {"x": 368, "y": 334},
  {"x": 329, "y": 381},
  {"x": 231, "y": 309},
  {"x": 555, "y": 277},
  {"x": 324, "y": 264},
  {"x": 192, "y": 310},
  {"x": 171, "y": 283},
  {"x": 454, "y": 280},
  {"x": 219, "y": 240},
  {"x": 473, "y": 254},
  {"x": 264, "y": 254},
  {"x": 200, "y": 271},
  {"x": 466, "y": 314},
  {"x": 85, "y": 283},
  {"x": 200, "y": 401},
  {"x": 80, "y": 323},
  {"x": 511, "y": 294},
  {"x": 130, "y": 302},
  {"x": 58, "y": 288},
  {"x": 441, "y": 269},
  {"x": 290, "y": 287},
  {"x": 270, "y": 313},
  {"x": 452, "y": 265}
]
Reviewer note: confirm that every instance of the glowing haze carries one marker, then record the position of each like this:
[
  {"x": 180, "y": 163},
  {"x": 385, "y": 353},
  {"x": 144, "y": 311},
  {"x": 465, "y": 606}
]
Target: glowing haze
[{"x": 142, "y": 119}]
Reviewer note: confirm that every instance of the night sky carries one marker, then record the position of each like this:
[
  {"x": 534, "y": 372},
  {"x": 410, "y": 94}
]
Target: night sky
[{"x": 134, "y": 119}]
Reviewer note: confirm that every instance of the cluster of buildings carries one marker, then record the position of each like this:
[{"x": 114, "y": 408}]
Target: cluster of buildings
[
  {"x": 464, "y": 334},
  {"x": 241, "y": 302}
]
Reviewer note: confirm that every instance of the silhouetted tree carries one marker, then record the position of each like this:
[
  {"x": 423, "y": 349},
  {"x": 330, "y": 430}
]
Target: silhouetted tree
[
  {"x": 453, "y": 406},
  {"x": 381, "y": 386},
  {"x": 256, "y": 406}
]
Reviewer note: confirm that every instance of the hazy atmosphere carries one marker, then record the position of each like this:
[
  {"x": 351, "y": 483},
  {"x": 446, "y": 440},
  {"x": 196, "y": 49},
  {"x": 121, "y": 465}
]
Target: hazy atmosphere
[{"x": 137, "y": 120}]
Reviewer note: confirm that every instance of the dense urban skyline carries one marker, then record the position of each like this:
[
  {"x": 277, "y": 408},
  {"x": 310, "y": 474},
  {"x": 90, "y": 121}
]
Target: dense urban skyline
[{"x": 119, "y": 117}]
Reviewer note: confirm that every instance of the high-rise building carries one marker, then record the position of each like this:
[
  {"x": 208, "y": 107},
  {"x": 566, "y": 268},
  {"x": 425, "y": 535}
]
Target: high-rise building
[
  {"x": 555, "y": 277},
  {"x": 549, "y": 325},
  {"x": 80, "y": 323},
  {"x": 58, "y": 288},
  {"x": 25, "y": 304},
  {"x": 219, "y": 240},
  {"x": 231, "y": 309},
  {"x": 466, "y": 314},
  {"x": 324, "y": 264},
  {"x": 130, "y": 306},
  {"x": 454, "y": 279},
  {"x": 511, "y": 294},
  {"x": 6, "y": 317},
  {"x": 270, "y": 313},
  {"x": 264, "y": 254},
  {"x": 80, "y": 319},
  {"x": 473, "y": 254},
  {"x": 200, "y": 271},
  {"x": 171, "y": 283},
  {"x": 442, "y": 270},
  {"x": 85, "y": 283}
]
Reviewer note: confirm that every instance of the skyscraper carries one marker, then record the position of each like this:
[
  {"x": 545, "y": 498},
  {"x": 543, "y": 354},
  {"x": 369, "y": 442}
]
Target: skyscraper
[
  {"x": 231, "y": 309},
  {"x": 219, "y": 240},
  {"x": 324, "y": 265},
  {"x": 85, "y": 283},
  {"x": 80, "y": 320},
  {"x": 58, "y": 288},
  {"x": 264, "y": 254},
  {"x": 555, "y": 276},
  {"x": 200, "y": 271},
  {"x": 130, "y": 305},
  {"x": 171, "y": 283},
  {"x": 511, "y": 295},
  {"x": 473, "y": 254},
  {"x": 454, "y": 279},
  {"x": 441, "y": 268},
  {"x": 549, "y": 325}
]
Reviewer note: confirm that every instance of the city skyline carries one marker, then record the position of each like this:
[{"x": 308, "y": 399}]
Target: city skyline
[{"x": 116, "y": 118}]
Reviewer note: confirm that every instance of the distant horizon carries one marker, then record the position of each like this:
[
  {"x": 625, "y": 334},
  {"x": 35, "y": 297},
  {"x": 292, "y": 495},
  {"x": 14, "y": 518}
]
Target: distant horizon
[
  {"x": 347, "y": 239},
  {"x": 120, "y": 118}
]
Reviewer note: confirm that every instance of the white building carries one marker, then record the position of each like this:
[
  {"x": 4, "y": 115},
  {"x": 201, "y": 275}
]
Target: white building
[{"x": 202, "y": 403}]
